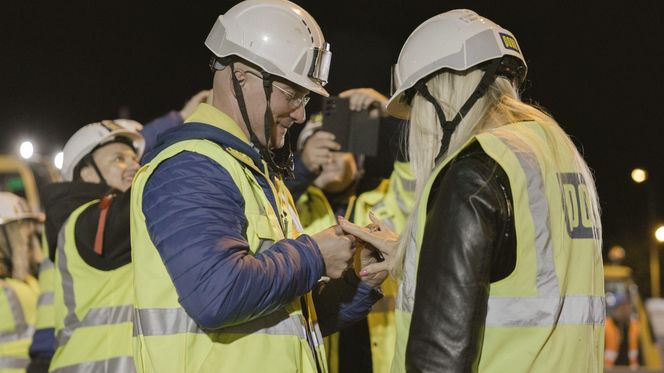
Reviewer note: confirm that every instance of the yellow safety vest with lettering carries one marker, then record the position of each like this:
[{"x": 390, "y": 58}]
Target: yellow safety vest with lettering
[
  {"x": 93, "y": 310},
  {"x": 167, "y": 339},
  {"x": 548, "y": 314},
  {"x": 45, "y": 313},
  {"x": 392, "y": 201},
  {"x": 18, "y": 306}
]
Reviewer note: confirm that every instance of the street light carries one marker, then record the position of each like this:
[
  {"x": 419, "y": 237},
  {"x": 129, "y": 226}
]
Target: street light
[
  {"x": 659, "y": 234},
  {"x": 58, "y": 160},
  {"x": 639, "y": 175},
  {"x": 26, "y": 149}
]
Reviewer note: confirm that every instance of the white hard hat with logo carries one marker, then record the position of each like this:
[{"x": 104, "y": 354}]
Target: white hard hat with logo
[
  {"x": 14, "y": 208},
  {"x": 457, "y": 40},
  {"x": 92, "y": 136},
  {"x": 279, "y": 37}
]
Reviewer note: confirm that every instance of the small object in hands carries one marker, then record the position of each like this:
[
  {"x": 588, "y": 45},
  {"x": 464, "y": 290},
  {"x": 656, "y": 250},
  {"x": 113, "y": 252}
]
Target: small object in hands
[{"x": 375, "y": 228}]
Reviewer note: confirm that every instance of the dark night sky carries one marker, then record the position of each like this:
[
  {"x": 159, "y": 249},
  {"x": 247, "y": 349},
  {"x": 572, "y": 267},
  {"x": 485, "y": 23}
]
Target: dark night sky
[{"x": 596, "y": 68}]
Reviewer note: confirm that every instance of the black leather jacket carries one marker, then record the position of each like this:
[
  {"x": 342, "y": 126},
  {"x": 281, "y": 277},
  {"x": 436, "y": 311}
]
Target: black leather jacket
[{"x": 469, "y": 242}]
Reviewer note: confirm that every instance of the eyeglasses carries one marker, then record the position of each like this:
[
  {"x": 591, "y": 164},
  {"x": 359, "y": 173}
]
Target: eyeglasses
[{"x": 293, "y": 101}]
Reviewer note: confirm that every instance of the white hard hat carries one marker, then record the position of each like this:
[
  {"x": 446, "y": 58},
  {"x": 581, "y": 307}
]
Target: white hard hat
[
  {"x": 94, "y": 135},
  {"x": 14, "y": 208},
  {"x": 278, "y": 36},
  {"x": 458, "y": 40}
]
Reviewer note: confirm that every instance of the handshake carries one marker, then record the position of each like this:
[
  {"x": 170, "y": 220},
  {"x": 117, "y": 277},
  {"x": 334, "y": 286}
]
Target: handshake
[{"x": 375, "y": 246}]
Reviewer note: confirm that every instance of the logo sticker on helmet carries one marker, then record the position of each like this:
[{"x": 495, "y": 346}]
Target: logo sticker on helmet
[{"x": 509, "y": 42}]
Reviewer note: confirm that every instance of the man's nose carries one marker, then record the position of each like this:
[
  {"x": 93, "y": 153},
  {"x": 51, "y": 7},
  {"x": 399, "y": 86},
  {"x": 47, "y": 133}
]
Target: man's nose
[{"x": 299, "y": 114}]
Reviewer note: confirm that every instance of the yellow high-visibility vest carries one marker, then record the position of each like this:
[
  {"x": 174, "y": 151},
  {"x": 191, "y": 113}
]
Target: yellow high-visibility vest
[
  {"x": 392, "y": 201},
  {"x": 167, "y": 339},
  {"x": 93, "y": 310},
  {"x": 45, "y": 313},
  {"x": 18, "y": 307},
  {"x": 548, "y": 314}
]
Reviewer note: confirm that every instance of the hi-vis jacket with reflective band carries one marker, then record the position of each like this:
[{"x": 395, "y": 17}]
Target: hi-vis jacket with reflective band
[
  {"x": 18, "y": 306},
  {"x": 43, "y": 341},
  {"x": 45, "y": 318},
  {"x": 392, "y": 201},
  {"x": 93, "y": 310},
  {"x": 547, "y": 315},
  {"x": 167, "y": 339}
]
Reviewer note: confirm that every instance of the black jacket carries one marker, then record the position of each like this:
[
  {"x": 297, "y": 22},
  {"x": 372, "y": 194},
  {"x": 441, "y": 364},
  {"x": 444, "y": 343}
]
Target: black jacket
[
  {"x": 469, "y": 241},
  {"x": 61, "y": 199}
]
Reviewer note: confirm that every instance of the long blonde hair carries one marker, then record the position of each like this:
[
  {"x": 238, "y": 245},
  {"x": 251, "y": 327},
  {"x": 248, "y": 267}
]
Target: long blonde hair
[{"x": 500, "y": 106}]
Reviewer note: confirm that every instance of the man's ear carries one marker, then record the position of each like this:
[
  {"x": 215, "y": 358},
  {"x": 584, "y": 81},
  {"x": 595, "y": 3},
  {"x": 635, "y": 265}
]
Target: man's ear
[
  {"x": 241, "y": 76},
  {"x": 88, "y": 174}
]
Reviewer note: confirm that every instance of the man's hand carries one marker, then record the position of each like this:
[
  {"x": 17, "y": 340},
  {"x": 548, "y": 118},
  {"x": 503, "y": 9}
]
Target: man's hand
[
  {"x": 365, "y": 98},
  {"x": 318, "y": 150},
  {"x": 193, "y": 102},
  {"x": 337, "y": 250}
]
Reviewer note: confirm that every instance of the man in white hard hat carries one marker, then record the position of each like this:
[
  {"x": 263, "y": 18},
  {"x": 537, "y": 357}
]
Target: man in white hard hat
[
  {"x": 19, "y": 254},
  {"x": 223, "y": 274},
  {"x": 87, "y": 232}
]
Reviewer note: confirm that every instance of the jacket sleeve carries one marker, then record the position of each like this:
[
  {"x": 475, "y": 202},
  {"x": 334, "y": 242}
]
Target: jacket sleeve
[
  {"x": 342, "y": 302},
  {"x": 466, "y": 218},
  {"x": 155, "y": 127},
  {"x": 195, "y": 217},
  {"x": 41, "y": 350}
]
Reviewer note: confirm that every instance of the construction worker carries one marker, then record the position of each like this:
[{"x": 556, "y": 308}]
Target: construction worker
[
  {"x": 223, "y": 274},
  {"x": 501, "y": 263},
  {"x": 622, "y": 332},
  {"x": 19, "y": 252},
  {"x": 87, "y": 231},
  {"x": 336, "y": 190}
]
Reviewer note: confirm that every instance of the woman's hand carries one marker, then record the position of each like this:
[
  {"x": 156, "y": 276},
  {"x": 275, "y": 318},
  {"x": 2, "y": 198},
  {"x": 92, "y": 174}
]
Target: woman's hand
[{"x": 380, "y": 238}]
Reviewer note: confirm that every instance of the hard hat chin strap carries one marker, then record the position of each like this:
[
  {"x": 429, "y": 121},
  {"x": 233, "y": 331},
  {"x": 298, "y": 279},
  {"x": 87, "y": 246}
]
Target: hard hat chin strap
[
  {"x": 283, "y": 167},
  {"x": 9, "y": 252},
  {"x": 450, "y": 126}
]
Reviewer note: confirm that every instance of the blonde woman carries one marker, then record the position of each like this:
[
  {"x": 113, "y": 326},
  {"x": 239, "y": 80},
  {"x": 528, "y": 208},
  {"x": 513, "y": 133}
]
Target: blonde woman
[{"x": 500, "y": 267}]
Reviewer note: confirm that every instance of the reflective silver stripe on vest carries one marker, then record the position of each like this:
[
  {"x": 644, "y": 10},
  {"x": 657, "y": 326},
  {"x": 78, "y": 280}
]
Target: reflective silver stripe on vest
[
  {"x": 46, "y": 264},
  {"x": 170, "y": 321},
  {"x": 21, "y": 328},
  {"x": 406, "y": 293},
  {"x": 94, "y": 316},
  {"x": 547, "y": 281},
  {"x": 120, "y": 364},
  {"x": 545, "y": 311},
  {"x": 407, "y": 184},
  {"x": 9, "y": 362},
  {"x": 45, "y": 298},
  {"x": 264, "y": 245}
]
